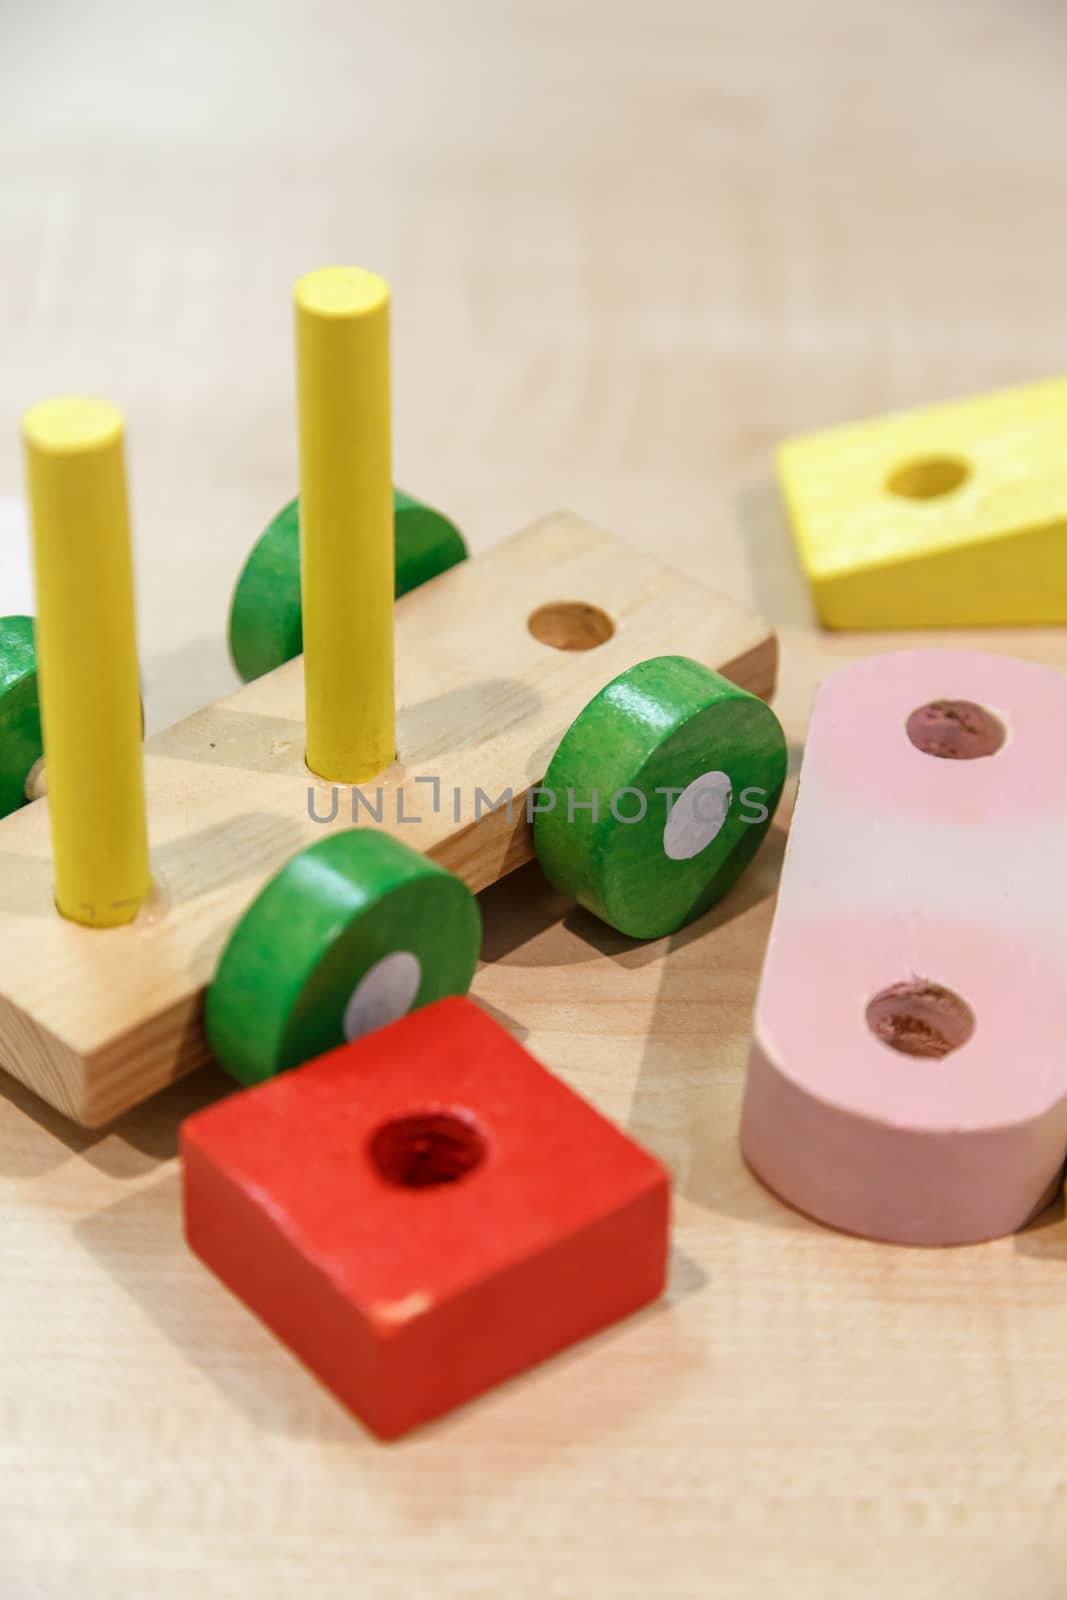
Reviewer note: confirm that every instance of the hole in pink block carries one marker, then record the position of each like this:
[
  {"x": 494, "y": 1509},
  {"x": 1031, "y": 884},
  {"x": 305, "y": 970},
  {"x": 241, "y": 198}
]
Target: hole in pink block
[
  {"x": 955, "y": 730},
  {"x": 920, "y": 1018}
]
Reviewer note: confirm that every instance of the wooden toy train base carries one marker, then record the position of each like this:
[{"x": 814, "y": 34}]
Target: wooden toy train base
[{"x": 495, "y": 659}]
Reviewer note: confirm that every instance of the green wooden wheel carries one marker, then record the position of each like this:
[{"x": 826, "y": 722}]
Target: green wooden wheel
[
  {"x": 20, "y": 713},
  {"x": 427, "y": 543},
  {"x": 351, "y": 934},
  {"x": 265, "y": 619},
  {"x": 687, "y": 771}
]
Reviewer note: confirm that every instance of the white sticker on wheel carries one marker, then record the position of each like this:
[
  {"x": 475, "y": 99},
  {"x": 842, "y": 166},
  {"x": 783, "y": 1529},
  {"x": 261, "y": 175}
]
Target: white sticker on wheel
[
  {"x": 384, "y": 994},
  {"x": 697, "y": 816}
]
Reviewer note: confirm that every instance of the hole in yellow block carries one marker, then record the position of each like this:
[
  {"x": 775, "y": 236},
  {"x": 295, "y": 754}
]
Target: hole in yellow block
[{"x": 928, "y": 478}]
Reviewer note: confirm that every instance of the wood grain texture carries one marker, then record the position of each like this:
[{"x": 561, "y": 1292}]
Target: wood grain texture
[
  {"x": 97, "y": 1023},
  {"x": 632, "y": 246}
]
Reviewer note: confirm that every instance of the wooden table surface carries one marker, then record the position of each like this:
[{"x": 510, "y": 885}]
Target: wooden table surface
[{"x": 632, "y": 245}]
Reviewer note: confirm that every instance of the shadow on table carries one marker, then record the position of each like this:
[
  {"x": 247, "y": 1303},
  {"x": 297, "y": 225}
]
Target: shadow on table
[
  {"x": 778, "y": 583},
  {"x": 135, "y": 1143},
  {"x": 689, "y": 1118},
  {"x": 259, "y": 1377},
  {"x": 708, "y": 987},
  {"x": 1045, "y": 1238}
]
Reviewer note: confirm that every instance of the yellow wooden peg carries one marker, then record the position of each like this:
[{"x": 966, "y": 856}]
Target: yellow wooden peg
[
  {"x": 87, "y": 654},
  {"x": 346, "y": 517},
  {"x": 953, "y": 516}
]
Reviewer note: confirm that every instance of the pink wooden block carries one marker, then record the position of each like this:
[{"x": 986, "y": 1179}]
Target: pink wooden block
[{"x": 921, "y": 1117}]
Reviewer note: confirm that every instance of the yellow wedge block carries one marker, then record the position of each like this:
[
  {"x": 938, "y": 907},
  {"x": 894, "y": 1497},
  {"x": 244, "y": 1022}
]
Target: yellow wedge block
[{"x": 952, "y": 516}]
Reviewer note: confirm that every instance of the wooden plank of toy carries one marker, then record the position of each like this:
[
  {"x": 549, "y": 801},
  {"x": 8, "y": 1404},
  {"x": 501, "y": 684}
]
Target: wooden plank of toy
[{"x": 495, "y": 659}]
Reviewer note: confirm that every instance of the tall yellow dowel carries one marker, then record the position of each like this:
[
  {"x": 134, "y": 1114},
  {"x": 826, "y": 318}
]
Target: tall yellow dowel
[
  {"x": 87, "y": 659},
  {"x": 346, "y": 521}
]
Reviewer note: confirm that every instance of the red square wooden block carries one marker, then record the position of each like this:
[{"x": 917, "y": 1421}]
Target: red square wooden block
[{"x": 424, "y": 1212}]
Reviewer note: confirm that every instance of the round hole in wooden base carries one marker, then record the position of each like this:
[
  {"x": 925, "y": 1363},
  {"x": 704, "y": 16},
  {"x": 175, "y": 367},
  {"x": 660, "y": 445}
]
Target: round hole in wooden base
[
  {"x": 424, "y": 1149},
  {"x": 570, "y": 625},
  {"x": 955, "y": 730},
  {"x": 919, "y": 1018},
  {"x": 928, "y": 478}
]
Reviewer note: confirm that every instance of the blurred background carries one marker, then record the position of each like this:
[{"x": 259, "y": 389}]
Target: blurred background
[{"x": 632, "y": 244}]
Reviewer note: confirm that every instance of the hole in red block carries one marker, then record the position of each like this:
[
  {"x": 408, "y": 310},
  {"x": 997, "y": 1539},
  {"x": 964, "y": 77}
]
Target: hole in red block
[
  {"x": 425, "y": 1148},
  {"x": 955, "y": 730},
  {"x": 920, "y": 1019}
]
